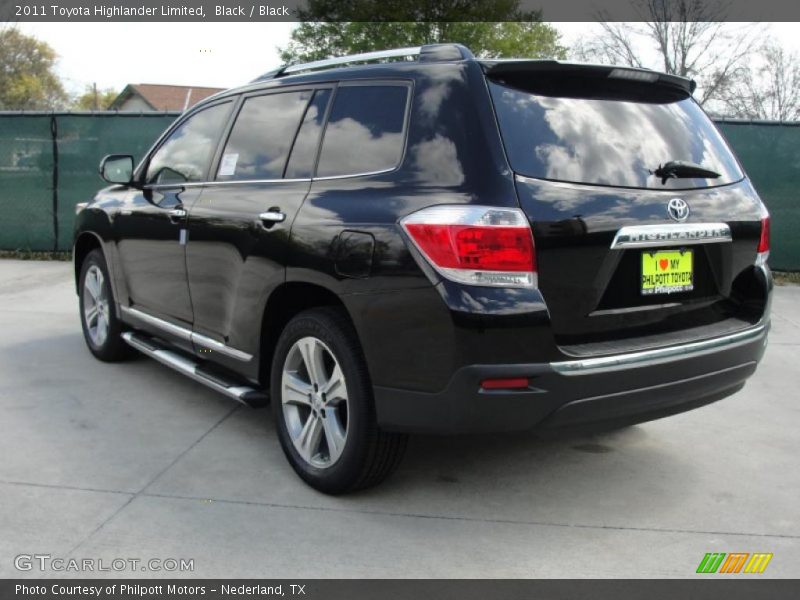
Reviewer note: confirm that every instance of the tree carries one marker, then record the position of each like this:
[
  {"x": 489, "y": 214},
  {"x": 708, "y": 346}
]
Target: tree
[
  {"x": 27, "y": 73},
  {"x": 681, "y": 37},
  {"x": 500, "y": 28},
  {"x": 94, "y": 99},
  {"x": 768, "y": 89}
]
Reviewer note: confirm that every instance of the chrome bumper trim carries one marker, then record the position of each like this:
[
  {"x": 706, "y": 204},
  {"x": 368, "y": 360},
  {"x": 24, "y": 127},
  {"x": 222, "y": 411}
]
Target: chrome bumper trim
[{"x": 645, "y": 358}]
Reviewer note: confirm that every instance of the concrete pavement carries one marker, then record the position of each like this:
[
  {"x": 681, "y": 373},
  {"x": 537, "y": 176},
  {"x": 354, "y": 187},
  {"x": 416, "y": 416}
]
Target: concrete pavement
[{"x": 133, "y": 460}]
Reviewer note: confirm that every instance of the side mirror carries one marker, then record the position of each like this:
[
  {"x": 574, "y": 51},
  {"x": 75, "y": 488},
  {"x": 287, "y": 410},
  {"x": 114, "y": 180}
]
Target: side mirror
[{"x": 117, "y": 168}]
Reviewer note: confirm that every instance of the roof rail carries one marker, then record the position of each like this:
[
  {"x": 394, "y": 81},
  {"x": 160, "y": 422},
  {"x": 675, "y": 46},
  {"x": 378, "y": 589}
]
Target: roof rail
[{"x": 429, "y": 52}]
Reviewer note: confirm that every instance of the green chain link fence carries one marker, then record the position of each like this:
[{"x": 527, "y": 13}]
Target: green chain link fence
[
  {"x": 48, "y": 163},
  {"x": 770, "y": 153}
]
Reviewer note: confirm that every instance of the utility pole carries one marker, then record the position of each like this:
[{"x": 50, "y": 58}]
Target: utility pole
[{"x": 94, "y": 90}]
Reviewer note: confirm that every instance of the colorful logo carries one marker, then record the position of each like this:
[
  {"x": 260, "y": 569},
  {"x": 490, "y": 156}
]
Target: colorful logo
[{"x": 734, "y": 562}]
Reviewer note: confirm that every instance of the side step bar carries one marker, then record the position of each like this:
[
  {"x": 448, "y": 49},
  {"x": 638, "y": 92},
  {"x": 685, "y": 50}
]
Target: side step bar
[{"x": 244, "y": 393}]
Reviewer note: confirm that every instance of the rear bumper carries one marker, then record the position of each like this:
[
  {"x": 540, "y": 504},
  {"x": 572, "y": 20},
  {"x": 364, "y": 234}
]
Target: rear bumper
[{"x": 602, "y": 391}]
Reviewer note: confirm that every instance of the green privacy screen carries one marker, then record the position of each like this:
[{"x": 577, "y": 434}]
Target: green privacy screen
[
  {"x": 26, "y": 186},
  {"x": 770, "y": 153},
  {"x": 48, "y": 163}
]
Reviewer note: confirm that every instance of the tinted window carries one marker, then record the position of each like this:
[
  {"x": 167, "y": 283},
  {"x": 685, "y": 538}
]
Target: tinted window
[
  {"x": 304, "y": 151},
  {"x": 608, "y": 142},
  {"x": 262, "y": 136},
  {"x": 185, "y": 155},
  {"x": 365, "y": 130}
]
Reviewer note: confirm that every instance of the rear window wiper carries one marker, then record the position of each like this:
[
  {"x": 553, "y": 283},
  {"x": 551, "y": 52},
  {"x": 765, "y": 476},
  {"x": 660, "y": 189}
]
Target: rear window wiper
[{"x": 680, "y": 169}]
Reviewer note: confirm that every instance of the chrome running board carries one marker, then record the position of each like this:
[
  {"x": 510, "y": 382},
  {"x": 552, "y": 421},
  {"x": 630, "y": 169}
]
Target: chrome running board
[{"x": 245, "y": 394}]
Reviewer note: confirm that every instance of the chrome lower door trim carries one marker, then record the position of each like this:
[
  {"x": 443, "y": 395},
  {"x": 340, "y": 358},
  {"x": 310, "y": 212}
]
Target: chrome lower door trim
[
  {"x": 207, "y": 342},
  {"x": 186, "y": 334},
  {"x": 176, "y": 330},
  {"x": 645, "y": 358}
]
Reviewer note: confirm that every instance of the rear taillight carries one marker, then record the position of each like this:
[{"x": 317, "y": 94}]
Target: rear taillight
[
  {"x": 763, "y": 242},
  {"x": 478, "y": 245},
  {"x": 509, "y": 383}
]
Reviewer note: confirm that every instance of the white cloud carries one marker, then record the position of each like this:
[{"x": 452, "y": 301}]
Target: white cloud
[
  {"x": 202, "y": 54},
  {"x": 112, "y": 54}
]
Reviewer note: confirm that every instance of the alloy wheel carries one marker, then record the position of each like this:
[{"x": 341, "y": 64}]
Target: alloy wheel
[
  {"x": 315, "y": 402},
  {"x": 95, "y": 306}
]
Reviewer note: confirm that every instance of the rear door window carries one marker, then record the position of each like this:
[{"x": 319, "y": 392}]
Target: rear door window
[
  {"x": 608, "y": 141},
  {"x": 259, "y": 143},
  {"x": 365, "y": 131}
]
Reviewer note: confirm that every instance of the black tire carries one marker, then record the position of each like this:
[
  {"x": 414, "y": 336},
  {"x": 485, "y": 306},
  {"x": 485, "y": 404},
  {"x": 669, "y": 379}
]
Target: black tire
[
  {"x": 369, "y": 454},
  {"x": 111, "y": 348}
]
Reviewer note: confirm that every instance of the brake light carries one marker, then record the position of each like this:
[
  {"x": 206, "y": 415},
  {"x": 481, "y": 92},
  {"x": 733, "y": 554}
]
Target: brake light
[
  {"x": 763, "y": 242},
  {"x": 511, "y": 383},
  {"x": 478, "y": 245}
]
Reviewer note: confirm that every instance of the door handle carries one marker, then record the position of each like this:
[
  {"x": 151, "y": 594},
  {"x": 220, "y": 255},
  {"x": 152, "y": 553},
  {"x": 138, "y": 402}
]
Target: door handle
[
  {"x": 176, "y": 214},
  {"x": 273, "y": 215}
]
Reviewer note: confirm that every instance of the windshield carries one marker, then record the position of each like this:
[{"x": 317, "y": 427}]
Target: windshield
[{"x": 615, "y": 142}]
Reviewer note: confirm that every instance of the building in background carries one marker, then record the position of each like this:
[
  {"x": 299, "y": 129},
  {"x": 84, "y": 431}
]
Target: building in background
[{"x": 147, "y": 97}]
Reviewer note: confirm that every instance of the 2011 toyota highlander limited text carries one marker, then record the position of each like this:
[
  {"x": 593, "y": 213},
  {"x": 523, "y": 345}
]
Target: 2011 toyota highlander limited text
[{"x": 416, "y": 240}]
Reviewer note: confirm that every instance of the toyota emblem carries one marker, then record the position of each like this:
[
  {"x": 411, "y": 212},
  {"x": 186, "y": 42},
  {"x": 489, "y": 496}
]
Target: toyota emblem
[{"x": 678, "y": 209}]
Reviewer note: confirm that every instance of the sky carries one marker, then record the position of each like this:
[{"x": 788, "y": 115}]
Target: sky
[{"x": 203, "y": 54}]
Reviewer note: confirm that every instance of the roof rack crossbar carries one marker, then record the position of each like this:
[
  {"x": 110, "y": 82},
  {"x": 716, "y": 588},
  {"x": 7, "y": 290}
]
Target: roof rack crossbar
[
  {"x": 430, "y": 52},
  {"x": 343, "y": 60}
]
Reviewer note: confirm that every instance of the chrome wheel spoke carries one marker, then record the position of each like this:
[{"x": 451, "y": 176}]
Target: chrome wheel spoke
[
  {"x": 334, "y": 434},
  {"x": 91, "y": 285},
  {"x": 334, "y": 387},
  {"x": 91, "y": 313},
  {"x": 101, "y": 330},
  {"x": 296, "y": 391},
  {"x": 310, "y": 437},
  {"x": 94, "y": 283},
  {"x": 313, "y": 360}
]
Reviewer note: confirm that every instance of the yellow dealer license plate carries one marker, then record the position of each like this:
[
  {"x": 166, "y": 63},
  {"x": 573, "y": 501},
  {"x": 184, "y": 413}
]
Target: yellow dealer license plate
[{"x": 667, "y": 272}]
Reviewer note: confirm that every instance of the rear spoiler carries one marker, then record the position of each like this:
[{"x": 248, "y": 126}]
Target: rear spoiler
[{"x": 512, "y": 67}]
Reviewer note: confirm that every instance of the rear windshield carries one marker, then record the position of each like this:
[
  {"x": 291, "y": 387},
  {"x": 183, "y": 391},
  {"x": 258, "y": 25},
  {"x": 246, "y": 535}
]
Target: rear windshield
[{"x": 614, "y": 142}]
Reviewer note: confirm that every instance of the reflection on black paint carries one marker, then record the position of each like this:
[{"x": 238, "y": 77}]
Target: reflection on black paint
[
  {"x": 304, "y": 151},
  {"x": 365, "y": 130},
  {"x": 262, "y": 136},
  {"x": 186, "y": 153},
  {"x": 608, "y": 142}
]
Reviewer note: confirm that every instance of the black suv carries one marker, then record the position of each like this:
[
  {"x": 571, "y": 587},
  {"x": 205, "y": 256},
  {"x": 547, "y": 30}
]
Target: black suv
[{"x": 417, "y": 240}]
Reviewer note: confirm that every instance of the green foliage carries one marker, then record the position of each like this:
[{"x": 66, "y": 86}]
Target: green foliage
[
  {"x": 27, "y": 77},
  {"x": 500, "y": 29},
  {"x": 34, "y": 255},
  {"x": 786, "y": 277},
  {"x": 94, "y": 99}
]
